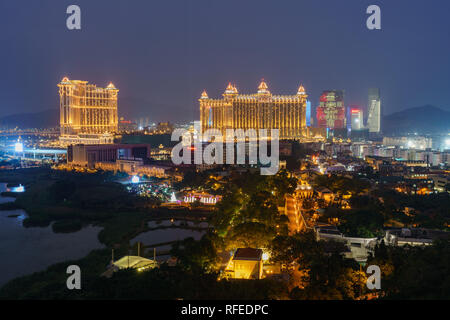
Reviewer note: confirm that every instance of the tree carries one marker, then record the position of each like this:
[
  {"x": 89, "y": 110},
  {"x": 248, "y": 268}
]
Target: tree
[
  {"x": 62, "y": 190},
  {"x": 250, "y": 235},
  {"x": 414, "y": 272},
  {"x": 197, "y": 255},
  {"x": 323, "y": 272}
]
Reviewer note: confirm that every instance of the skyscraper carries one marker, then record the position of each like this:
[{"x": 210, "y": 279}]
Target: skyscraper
[
  {"x": 356, "y": 118},
  {"x": 88, "y": 114},
  {"x": 331, "y": 111},
  {"x": 261, "y": 110},
  {"x": 374, "y": 109}
]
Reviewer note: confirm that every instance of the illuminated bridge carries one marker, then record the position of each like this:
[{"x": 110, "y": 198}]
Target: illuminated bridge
[
  {"x": 49, "y": 133},
  {"x": 34, "y": 154}
]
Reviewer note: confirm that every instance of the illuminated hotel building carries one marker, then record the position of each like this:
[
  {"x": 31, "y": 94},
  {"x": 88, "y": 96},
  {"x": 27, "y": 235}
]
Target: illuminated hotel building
[
  {"x": 331, "y": 111},
  {"x": 261, "y": 110},
  {"x": 88, "y": 114}
]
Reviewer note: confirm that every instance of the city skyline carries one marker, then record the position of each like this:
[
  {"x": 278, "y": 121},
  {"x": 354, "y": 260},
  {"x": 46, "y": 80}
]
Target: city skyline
[
  {"x": 166, "y": 63},
  {"x": 199, "y": 153}
]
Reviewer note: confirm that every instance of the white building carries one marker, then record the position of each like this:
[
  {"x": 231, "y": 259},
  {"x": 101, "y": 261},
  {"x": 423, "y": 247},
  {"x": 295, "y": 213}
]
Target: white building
[{"x": 374, "y": 107}]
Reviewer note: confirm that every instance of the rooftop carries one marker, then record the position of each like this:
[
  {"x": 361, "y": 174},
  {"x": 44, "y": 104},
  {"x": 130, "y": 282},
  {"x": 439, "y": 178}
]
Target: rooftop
[
  {"x": 134, "y": 262},
  {"x": 248, "y": 254}
]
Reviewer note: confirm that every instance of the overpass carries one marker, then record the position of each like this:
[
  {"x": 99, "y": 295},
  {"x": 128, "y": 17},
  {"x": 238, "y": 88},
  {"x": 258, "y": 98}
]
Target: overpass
[
  {"x": 34, "y": 154},
  {"x": 9, "y": 133}
]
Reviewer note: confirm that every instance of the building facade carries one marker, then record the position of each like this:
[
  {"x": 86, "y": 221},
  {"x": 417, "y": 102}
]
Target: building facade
[
  {"x": 331, "y": 111},
  {"x": 89, "y": 155},
  {"x": 129, "y": 158},
  {"x": 356, "y": 118},
  {"x": 374, "y": 107},
  {"x": 256, "y": 111},
  {"x": 246, "y": 263},
  {"x": 88, "y": 114}
]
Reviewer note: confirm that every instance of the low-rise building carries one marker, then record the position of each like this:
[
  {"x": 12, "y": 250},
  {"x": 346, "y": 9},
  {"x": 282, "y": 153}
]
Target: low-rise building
[
  {"x": 325, "y": 194},
  {"x": 129, "y": 158},
  {"x": 202, "y": 197},
  {"x": 414, "y": 236},
  {"x": 359, "y": 248},
  {"x": 246, "y": 263},
  {"x": 441, "y": 182},
  {"x": 130, "y": 262},
  {"x": 88, "y": 155}
]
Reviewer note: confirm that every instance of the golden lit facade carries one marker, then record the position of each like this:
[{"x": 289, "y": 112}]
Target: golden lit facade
[
  {"x": 88, "y": 114},
  {"x": 256, "y": 111}
]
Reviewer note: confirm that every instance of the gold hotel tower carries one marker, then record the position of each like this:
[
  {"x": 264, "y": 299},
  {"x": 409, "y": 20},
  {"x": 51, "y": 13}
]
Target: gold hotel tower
[
  {"x": 88, "y": 114},
  {"x": 256, "y": 111}
]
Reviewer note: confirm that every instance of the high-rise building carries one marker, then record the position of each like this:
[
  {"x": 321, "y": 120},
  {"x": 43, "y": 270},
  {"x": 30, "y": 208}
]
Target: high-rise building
[
  {"x": 356, "y": 118},
  {"x": 331, "y": 111},
  {"x": 88, "y": 114},
  {"x": 261, "y": 110},
  {"x": 308, "y": 113},
  {"x": 374, "y": 109}
]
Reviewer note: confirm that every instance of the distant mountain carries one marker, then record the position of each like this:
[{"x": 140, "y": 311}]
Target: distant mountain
[
  {"x": 44, "y": 119},
  {"x": 427, "y": 119},
  {"x": 423, "y": 120}
]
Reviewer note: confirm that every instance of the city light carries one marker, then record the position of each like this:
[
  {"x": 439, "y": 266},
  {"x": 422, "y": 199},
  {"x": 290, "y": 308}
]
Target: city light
[
  {"x": 258, "y": 193},
  {"x": 94, "y": 100},
  {"x": 18, "y": 147},
  {"x": 244, "y": 113},
  {"x": 135, "y": 179},
  {"x": 18, "y": 189}
]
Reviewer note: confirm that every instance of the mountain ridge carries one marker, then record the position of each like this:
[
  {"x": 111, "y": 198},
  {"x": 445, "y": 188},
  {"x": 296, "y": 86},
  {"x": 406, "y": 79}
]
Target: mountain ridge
[{"x": 426, "y": 119}]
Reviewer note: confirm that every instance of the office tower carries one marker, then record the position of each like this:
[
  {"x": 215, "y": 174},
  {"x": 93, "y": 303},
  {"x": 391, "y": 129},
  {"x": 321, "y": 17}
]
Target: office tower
[
  {"x": 261, "y": 110},
  {"x": 88, "y": 114},
  {"x": 348, "y": 118},
  {"x": 331, "y": 111},
  {"x": 356, "y": 118},
  {"x": 374, "y": 109}
]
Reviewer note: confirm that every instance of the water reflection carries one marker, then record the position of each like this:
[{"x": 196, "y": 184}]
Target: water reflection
[
  {"x": 178, "y": 223},
  {"x": 28, "y": 250}
]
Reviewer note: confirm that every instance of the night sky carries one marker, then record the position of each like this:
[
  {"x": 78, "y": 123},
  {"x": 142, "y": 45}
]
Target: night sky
[{"x": 162, "y": 54}]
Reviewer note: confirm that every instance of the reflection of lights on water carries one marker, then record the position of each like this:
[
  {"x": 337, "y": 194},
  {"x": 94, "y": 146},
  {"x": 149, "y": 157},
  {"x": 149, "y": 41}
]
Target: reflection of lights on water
[
  {"x": 135, "y": 179},
  {"x": 20, "y": 188}
]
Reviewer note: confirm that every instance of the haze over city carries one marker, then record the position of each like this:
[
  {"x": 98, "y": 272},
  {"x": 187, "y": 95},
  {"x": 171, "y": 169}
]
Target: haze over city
[
  {"x": 225, "y": 158},
  {"x": 161, "y": 55}
]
